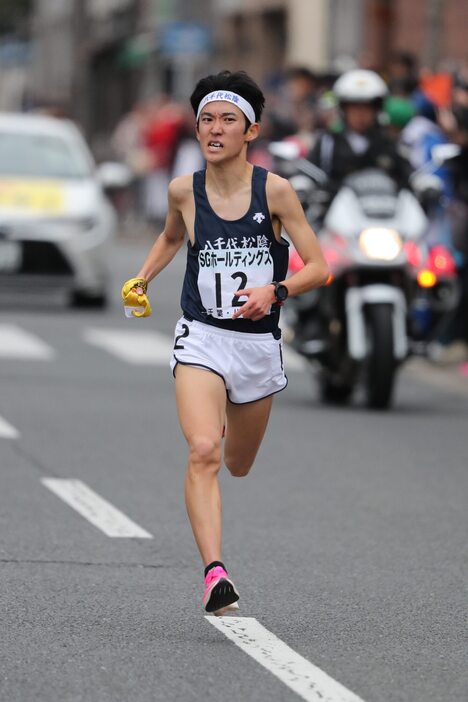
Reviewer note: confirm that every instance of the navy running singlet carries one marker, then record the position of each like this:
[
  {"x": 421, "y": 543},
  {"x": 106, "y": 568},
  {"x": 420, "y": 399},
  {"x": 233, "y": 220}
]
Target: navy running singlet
[{"x": 229, "y": 256}]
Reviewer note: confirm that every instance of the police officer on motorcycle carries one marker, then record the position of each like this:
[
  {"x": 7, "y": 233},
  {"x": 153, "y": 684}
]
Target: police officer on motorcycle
[{"x": 362, "y": 143}]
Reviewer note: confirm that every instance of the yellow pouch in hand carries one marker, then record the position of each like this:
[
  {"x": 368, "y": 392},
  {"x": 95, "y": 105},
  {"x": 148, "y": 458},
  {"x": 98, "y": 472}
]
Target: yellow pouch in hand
[{"x": 132, "y": 298}]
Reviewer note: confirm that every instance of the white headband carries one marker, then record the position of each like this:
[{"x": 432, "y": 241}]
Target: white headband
[{"x": 236, "y": 99}]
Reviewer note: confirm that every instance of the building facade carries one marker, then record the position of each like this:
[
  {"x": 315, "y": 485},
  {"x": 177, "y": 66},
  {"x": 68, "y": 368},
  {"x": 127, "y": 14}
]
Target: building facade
[{"x": 331, "y": 35}]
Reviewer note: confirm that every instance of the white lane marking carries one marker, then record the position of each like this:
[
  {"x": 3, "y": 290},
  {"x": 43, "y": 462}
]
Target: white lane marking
[
  {"x": 152, "y": 348},
  {"x": 134, "y": 346},
  {"x": 301, "y": 676},
  {"x": 95, "y": 509},
  {"x": 16, "y": 343},
  {"x": 7, "y": 431}
]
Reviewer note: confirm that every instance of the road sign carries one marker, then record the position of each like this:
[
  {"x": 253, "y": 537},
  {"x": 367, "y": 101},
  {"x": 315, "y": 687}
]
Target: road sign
[{"x": 185, "y": 38}]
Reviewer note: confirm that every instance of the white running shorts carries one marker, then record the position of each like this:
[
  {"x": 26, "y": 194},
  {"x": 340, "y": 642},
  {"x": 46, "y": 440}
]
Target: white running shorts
[{"x": 251, "y": 365}]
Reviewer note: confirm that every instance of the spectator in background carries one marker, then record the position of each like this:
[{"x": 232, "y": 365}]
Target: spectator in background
[
  {"x": 422, "y": 131},
  {"x": 328, "y": 112},
  {"x": 298, "y": 98},
  {"x": 301, "y": 85},
  {"x": 188, "y": 157},
  {"x": 161, "y": 138},
  {"x": 398, "y": 111},
  {"x": 403, "y": 74},
  {"x": 434, "y": 186},
  {"x": 129, "y": 147},
  {"x": 301, "y": 89},
  {"x": 460, "y": 89},
  {"x": 458, "y": 218}
]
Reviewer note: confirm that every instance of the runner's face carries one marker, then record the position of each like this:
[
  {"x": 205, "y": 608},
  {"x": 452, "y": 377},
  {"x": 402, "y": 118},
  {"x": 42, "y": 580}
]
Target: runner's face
[{"x": 221, "y": 131}]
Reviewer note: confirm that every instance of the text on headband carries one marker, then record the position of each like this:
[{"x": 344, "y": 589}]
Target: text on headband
[{"x": 236, "y": 99}]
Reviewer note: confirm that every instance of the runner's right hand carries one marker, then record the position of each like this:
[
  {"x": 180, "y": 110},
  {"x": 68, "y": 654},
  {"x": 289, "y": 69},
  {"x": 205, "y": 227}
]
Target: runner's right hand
[{"x": 134, "y": 295}]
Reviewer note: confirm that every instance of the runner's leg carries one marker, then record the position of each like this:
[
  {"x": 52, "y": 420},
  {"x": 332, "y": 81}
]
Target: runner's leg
[
  {"x": 246, "y": 425},
  {"x": 201, "y": 406}
]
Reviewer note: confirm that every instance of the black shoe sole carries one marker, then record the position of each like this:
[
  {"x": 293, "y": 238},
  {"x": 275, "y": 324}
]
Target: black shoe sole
[{"x": 222, "y": 595}]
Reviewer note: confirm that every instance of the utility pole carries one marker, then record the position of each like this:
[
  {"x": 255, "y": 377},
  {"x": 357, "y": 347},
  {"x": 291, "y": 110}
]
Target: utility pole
[{"x": 80, "y": 52}]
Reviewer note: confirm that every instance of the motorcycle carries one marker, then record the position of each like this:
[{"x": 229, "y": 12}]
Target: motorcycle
[{"x": 388, "y": 292}]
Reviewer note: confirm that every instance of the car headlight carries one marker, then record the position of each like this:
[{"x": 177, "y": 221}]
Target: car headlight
[{"x": 380, "y": 243}]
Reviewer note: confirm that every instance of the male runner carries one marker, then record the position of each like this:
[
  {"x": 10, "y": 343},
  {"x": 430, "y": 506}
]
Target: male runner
[{"x": 227, "y": 358}]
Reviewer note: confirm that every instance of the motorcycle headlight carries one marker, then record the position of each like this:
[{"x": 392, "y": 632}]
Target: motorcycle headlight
[{"x": 380, "y": 243}]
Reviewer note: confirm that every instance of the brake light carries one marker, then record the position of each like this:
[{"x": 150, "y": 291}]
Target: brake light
[
  {"x": 441, "y": 261},
  {"x": 413, "y": 254}
]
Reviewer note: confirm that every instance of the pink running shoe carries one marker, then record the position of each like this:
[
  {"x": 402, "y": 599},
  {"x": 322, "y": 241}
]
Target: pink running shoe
[{"x": 220, "y": 594}]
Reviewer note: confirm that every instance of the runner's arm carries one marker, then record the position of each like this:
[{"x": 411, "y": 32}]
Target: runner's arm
[
  {"x": 172, "y": 237},
  {"x": 288, "y": 209}
]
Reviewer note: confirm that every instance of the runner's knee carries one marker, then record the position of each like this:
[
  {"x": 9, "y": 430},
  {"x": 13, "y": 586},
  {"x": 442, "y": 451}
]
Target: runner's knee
[
  {"x": 237, "y": 467},
  {"x": 204, "y": 454}
]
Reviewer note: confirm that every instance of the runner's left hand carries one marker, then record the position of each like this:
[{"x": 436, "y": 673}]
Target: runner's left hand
[{"x": 258, "y": 305}]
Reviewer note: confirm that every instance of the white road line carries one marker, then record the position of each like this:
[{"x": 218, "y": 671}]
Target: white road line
[
  {"x": 151, "y": 348},
  {"x": 16, "y": 343},
  {"x": 7, "y": 431},
  {"x": 134, "y": 346},
  {"x": 301, "y": 676},
  {"x": 95, "y": 509}
]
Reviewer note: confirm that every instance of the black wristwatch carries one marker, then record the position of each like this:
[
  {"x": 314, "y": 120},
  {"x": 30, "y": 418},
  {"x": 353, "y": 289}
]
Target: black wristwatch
[{"x": 281, "y": 292}]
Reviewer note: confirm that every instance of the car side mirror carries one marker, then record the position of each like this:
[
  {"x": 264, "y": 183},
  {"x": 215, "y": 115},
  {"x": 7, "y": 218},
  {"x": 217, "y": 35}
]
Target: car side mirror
[{"x": 113, "y": 176}]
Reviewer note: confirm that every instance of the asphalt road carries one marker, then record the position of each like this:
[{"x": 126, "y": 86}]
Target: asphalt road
[{"x": 347, "y": 541}]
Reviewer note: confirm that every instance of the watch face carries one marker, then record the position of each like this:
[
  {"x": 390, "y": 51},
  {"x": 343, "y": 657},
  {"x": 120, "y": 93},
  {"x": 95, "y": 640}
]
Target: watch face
[{"x": 281, "y": 293}]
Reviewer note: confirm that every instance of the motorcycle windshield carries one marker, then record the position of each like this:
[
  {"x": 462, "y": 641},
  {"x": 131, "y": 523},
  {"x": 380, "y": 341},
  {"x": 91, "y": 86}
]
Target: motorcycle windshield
[
  {"x": 371, "y": 181},
  {"x": 370, "y": 198},
  {"x": 376, "y": 191}
]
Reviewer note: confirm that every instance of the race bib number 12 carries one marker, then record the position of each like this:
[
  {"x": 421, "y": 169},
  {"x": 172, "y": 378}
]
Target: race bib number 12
[{"x": 222, "y": 272}]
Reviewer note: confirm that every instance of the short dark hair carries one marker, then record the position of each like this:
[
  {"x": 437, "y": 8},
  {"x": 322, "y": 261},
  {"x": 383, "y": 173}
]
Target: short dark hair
[
  {"x": 461, "y": 117},
  {"x": 301, "y": 72},
  {"x": 238, "y": 82},
  {"x": 406, "y": 59}
]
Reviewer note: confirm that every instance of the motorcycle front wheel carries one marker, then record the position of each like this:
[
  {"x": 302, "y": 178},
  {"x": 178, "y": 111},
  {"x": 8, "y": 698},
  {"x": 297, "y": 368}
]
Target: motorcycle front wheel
[{"x": 380, "y": 366}]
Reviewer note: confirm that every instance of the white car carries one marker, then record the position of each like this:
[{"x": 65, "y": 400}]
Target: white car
[{"x": 55, "y": 219}]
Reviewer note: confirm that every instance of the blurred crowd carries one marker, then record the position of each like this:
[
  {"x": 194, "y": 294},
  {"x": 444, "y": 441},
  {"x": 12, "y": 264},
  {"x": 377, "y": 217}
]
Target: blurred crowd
[
  {"x": 418, "y": 110},
  {"x": 156, "y": 139}
]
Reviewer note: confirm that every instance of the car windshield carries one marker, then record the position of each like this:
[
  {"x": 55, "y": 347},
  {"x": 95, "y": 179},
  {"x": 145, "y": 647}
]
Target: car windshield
[{"x": 41, "y": 156}]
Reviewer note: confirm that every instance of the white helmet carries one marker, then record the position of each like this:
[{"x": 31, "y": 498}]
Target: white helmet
[{"x": 360, "y": 85}]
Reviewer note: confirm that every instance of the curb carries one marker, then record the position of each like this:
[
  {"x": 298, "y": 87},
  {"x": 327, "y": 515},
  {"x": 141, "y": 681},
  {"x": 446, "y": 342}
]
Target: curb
[{"x": 445, "y": 377}]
